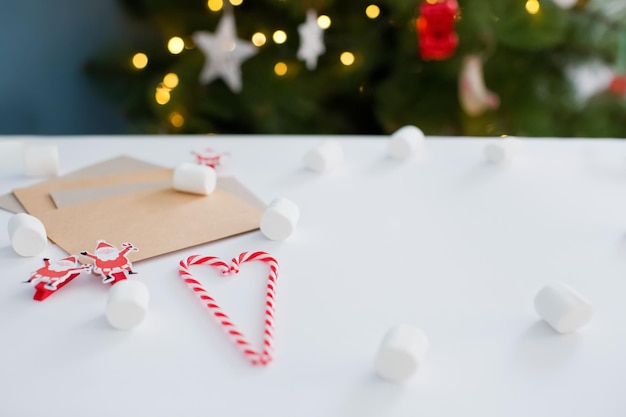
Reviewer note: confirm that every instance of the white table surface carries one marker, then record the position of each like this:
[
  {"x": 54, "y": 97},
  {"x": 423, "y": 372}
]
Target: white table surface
[{"x": 446, "y": 242}]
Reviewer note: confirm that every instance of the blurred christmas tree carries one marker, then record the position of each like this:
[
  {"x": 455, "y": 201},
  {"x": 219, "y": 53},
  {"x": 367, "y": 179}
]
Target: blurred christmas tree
[{"x": 335, "y": 67}]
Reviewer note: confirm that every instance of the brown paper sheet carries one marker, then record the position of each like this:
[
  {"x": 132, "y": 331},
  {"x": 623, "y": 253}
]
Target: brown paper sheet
[
  {"x": 156, "y": 220},
  {"x": 119, "y": 164}
]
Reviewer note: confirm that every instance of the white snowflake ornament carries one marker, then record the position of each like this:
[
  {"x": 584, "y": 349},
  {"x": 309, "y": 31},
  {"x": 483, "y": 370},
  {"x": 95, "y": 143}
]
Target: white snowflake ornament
[
  {"x": 311, "y": 40},
  {"x": 224, "y": 53}
]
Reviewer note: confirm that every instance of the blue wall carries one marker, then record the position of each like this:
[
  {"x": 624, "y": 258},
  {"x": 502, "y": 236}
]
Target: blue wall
[{"x": 43, "y": 47}]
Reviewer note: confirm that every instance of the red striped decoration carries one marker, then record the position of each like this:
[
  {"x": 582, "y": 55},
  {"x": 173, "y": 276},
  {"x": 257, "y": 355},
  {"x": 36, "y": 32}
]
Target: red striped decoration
[{"x": 254, "y": 356}]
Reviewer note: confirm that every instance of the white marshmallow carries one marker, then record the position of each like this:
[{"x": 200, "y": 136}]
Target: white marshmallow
[
  {"x": 41, "y": 160},
  {"x": 324, "y": 157},
  {"x": 401, "y": 352},
  {"x": 127, "y": 304},
  {"x": 406, "y": 142},
  {"x": 12, "y": 154},
  {"x": 195, "y": 178},
  {"x": 279, "y": 219},
  {"x": 562, "y": 307},
  {"x": 503, "y": 150},
  {"x": 27, "y": 234}
]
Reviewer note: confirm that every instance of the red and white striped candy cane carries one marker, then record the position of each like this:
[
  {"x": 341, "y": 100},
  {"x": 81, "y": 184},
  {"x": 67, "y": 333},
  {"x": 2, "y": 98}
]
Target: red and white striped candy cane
[{"x": 256, "y": 358}]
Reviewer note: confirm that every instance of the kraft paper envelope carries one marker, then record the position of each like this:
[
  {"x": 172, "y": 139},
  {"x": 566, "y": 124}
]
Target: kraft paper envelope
[
  {"x": 36, "y": 198},
  {"x": 120, "y": 164},
  {"x": 157, "y": 220}
]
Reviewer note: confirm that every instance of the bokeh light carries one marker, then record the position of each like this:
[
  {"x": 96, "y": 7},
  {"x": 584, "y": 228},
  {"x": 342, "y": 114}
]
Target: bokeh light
[
  {"x": 280, "y": 69},
  {"x": 259, "y": 39},
  {"x": 323, "y": 21},
  {"x": 215, "y": 5},
  {"x": 170, "y": 80},
  {"x": 372, "y": 11},
  {"x": 177, "y": 119},
  {"x": 140, "y": 60},
  {"x": 532, "y": 6},
  {"x": 162, "y": 95},
  {"x": 279, "y": 36},
  {"x": 347, "y": 58},
  {"x": 175, "y": 45}
]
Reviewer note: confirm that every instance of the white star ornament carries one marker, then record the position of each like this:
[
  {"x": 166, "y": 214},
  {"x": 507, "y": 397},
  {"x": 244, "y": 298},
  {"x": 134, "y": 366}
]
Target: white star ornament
[{"x": 224, "y": 53}]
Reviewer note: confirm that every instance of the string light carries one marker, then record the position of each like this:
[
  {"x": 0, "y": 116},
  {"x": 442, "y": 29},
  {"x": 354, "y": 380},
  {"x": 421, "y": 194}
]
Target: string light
[
  {"x": 280, "y": 69},
  {"x": 236, "y": 2},
  {"x": 347, "y": 58},
  {"x": 215, "y": 5},
  {"x": 323, "y": 21},
  {"x": 170, "y": 80},
  {"x": 279, "y": 36},
  {"x": 176, "y": 45},
  {"x": 162, "y": 95},
  {"x": 177, "y": 119},
  {"x": 258, "y": 39},
  {"x": 372, "y": 11},
  {"x": 532, "y": 6},
  {"x": 140, "y": 60}
]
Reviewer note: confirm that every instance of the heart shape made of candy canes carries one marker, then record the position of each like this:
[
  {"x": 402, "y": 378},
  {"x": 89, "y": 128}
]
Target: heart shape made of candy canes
[{"x": 256, "y": 357}]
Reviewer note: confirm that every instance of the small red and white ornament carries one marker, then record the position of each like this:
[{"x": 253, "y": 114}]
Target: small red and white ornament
[
  {"x": 474, "y": 97},
  {"x": 435, "y": 29},
  {"x": 210, "y": 157},
  {"x": 618, "y": 84}
]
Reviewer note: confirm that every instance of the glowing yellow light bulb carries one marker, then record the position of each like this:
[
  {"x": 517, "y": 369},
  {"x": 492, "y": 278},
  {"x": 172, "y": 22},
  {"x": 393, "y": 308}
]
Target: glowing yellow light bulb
[
  {"x": 279, "y": 36},
  {"x": 175, "y": 45},
  {"x": 372, "y": 11},
  {"x": 215, "y": 5},
  {"x": 323, "y": 21},
  {"x": 280, "y": 69},
  {"x": 140, "y": 60},
  {"x": 170, "y": 80},
  {"x": 258, "y": 39},
  {"x": 162, "y": 95},
  {"x": 236, "y": 2},
  {"x": 347, "y": 58},
  {"x": 532, "y": 6},
  {"x": 177, "y": 119}
]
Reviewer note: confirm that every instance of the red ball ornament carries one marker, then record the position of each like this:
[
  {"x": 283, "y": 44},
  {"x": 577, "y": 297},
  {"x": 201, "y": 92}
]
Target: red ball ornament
[
  {"x": 618, "y": 84},
  {"x": 435, "y": 29}
]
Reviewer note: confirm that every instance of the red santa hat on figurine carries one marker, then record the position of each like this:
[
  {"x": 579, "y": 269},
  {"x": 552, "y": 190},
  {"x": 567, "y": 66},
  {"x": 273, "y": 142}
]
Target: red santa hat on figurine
[
  {"x": 64, "y": 264},
  {"x": 106, "y": 251}
]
